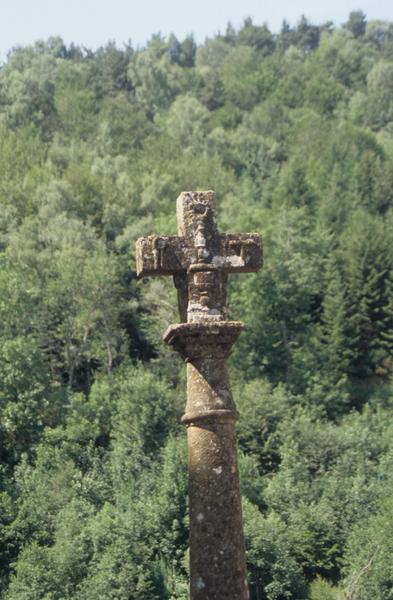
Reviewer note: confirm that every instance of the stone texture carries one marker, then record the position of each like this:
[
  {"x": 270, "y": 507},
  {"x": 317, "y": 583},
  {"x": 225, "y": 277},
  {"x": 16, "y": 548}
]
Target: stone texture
[
  {"x": 217, "y": 555},
  {"x": 200, "y": 259}
]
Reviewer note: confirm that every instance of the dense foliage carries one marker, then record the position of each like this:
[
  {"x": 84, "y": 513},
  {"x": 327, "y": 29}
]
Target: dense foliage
[{"x": 295, "y": 133}]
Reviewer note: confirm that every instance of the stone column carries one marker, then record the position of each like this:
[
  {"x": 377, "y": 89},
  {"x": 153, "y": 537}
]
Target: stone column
[
  {"x": 200, "y": 259},
  {"x": 217, "y": 555}
]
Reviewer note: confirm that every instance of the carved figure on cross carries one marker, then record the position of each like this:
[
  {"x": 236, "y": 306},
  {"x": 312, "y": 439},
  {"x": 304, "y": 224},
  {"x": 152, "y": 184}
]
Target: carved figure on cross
[{"x": 199, "y": 258}]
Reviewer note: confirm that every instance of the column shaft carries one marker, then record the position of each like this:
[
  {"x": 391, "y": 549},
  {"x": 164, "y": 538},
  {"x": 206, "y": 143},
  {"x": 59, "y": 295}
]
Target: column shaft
[
  {"x": 217, "y": 554},
  {"x": 217, "y": 564}
]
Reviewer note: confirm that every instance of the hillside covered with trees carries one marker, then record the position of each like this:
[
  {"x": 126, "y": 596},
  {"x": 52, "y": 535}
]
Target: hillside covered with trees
[{"x": 294, "y": 132}]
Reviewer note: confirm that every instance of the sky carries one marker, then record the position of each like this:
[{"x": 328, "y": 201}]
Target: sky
[{"x": 92, "y": 23}]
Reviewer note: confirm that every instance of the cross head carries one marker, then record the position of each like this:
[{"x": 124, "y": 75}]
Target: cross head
[{"x": 199, "y": 258}]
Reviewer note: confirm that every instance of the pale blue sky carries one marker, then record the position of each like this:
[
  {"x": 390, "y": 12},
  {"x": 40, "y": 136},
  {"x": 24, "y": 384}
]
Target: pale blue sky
[{"x": 94, "y": 22}]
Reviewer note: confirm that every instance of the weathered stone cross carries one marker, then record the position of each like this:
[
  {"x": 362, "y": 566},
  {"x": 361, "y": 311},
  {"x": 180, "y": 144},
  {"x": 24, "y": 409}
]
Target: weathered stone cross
[{"x": 199, "y": 259}]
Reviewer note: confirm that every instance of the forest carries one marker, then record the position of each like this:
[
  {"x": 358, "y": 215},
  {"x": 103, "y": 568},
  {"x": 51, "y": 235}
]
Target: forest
[{"x": 294, "y": 132}]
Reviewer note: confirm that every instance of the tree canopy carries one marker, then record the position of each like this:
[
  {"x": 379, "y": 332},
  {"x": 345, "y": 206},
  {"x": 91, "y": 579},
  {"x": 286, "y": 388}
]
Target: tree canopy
[{"x": 294, "y": 131}]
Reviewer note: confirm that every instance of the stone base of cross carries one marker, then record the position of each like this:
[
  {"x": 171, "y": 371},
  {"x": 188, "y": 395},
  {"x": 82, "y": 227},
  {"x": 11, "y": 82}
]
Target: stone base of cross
[{"x": 200, "y": 259}]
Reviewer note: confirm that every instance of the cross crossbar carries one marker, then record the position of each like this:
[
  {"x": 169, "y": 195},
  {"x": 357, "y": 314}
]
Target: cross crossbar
[
  {"x": 199, "y": 257},
  {"x": 169, "y": 255}
]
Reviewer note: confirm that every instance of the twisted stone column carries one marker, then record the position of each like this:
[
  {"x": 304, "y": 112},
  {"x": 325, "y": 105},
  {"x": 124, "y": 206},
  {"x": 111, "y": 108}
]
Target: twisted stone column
[{"x": 217, "y": 555}]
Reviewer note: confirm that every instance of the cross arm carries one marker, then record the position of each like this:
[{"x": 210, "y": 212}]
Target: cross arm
[
  {"x": 160, "y": 255},
  {"x": 243, "y": 252}
]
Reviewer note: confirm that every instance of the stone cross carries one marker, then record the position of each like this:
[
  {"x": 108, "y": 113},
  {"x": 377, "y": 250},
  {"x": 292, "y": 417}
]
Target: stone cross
[{"x": 200, "y": 259}]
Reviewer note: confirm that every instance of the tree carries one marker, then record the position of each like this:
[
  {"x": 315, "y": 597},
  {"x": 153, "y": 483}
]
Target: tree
[
  {"x": 155, "y": 80},
  {"x": 258, "y": 37},
  {"x": 81, "y": 326},
  {"x": 240, "y": 77},
  {"x": 368, "y": 271},
  {"x": 356, "y": 23},
  {"x": 369, "y": 552},
  {"x": 307, "y": 35},
  {"x": 380, "y": 86},
  {"x": 273, "y": 572}
]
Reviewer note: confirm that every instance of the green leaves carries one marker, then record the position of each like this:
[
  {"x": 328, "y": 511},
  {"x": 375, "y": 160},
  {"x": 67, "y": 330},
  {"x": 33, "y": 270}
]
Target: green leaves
[{"x": 293, "y": 131}]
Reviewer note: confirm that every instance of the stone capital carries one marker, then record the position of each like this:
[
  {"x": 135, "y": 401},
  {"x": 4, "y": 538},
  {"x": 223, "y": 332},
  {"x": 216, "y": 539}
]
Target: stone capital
[{"x": 203, "y": 340}]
